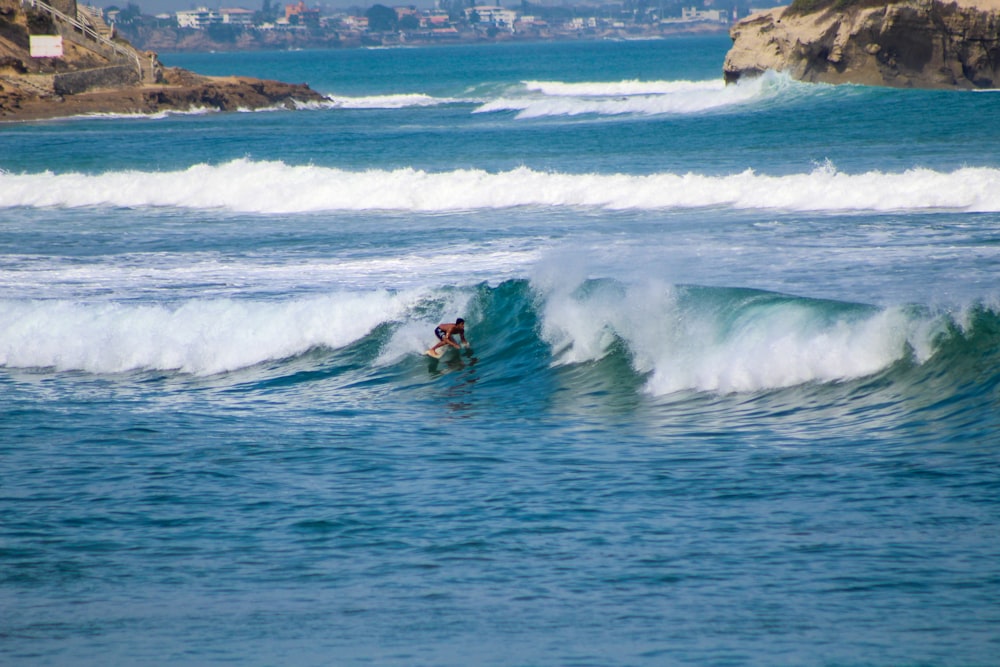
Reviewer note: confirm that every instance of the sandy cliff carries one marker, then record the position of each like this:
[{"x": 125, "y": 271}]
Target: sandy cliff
[{"x": 912, "y": 43}]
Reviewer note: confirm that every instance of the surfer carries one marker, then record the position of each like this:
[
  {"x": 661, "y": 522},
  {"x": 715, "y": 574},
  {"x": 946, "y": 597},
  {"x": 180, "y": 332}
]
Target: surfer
[{"x": 446, "y": 333}]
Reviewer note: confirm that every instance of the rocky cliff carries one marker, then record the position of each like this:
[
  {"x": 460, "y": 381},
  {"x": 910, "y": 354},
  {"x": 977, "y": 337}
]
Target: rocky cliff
[
  {"x": 907, "y": 44},
  {"x": 112, "y": 77}
]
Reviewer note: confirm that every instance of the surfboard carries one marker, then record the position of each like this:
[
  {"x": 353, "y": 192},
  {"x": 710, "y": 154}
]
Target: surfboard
[{"x": 442, "y": 351}]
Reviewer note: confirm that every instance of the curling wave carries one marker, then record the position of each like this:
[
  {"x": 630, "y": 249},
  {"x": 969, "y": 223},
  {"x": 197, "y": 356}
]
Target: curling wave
[{"x": 672, "y": 338}]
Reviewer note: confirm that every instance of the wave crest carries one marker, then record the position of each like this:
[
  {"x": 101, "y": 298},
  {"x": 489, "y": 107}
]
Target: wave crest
[
  {"x": 672, "y": 338},
  {"x": 274, "y": 187}
]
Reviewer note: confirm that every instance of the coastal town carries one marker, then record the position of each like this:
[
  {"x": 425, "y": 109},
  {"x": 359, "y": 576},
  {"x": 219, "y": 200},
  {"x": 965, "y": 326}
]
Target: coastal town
[
  {"x": 302, "y": 25},
  {"x": 64, "y": 58}
]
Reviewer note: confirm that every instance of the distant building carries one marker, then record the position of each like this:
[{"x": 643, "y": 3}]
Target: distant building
[
  {"x": 436, "y": 18},
  {"x": 497, "y": 16},
  {"x": 695, "y": 14},
  {"x": 405, "y": 11},
  {"x": 237, "y": 16},
  {"x": 301, "y": 14},
  {"x": 199, "y": 19},
  {"x": 355, "y": 22}
]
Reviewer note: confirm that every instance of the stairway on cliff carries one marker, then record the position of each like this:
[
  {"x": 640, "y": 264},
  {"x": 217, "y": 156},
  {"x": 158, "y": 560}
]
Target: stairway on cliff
[
  {"x": 89, "y": 30},
  {"x": 94, "y": 16}
]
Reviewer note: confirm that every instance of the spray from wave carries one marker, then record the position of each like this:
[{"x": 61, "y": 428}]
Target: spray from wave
[
  {"x": 202, "y": 337},
  {"x": 674, "y": 338},
  {"x": 730, "y": 340},
  {"x": 274, "y": 187}
]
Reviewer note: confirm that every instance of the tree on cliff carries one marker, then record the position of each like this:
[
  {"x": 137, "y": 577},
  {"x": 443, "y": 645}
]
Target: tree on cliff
[{"x": 381, "y": 18}]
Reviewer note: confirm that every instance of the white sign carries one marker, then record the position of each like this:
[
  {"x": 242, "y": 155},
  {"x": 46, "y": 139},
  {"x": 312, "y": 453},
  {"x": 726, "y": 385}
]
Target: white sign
[{"x": 46, "y": 46}]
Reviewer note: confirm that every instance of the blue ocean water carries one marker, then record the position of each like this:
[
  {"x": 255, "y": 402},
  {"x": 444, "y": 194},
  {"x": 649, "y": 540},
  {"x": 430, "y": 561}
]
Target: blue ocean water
[{"x": 732, "y": 398}]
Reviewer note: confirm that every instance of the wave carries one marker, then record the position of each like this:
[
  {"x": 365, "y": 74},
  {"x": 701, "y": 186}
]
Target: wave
[
  {"x": 536, "y": 99},
  {"x": 619, "y": 88},
  {"x": 397, "y": 101},
  {"x": 670, "y": 338},
  {"x": 274, "y": 187},
  {"x": 533, "y": 99},
  {"x": 539, "y": 99},
  {"x": 200, "y": 337}
]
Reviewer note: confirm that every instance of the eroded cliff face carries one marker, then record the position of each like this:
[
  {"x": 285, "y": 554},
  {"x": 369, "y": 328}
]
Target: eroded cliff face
[
  {"x": 84, "y": 82},
  {"x": 909, "y": 44}
]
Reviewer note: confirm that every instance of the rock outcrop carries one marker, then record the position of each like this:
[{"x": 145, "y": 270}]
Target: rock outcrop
[
  {"x": 107, "y": 77},
  {"x": 180, "y": 90},
  {"x": 907, "y": 44}
]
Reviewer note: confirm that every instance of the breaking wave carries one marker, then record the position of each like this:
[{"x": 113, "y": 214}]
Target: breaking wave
[
  {"x": 275, "y": 187},
  {"x": 397, "y": 101},
  {"x": 552, "y": 98},
  {"x": 672, "y": 338}
]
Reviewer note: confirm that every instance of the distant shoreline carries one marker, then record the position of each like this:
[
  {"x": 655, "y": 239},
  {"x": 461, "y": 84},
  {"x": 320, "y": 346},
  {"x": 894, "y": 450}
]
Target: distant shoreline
[
  {"x": 199, "y": 43},
  {"x": 184, "y": 91}
]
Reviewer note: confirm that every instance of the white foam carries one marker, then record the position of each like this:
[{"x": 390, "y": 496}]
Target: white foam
[
  {"x": 396, "y": 101},
  {"x": 556, "y": 98},
  {"x": 684, "y": 344},
  {"x": 195, "y": 274},
  {"x": 197, "y": 336},
  {"x": 275, "y": 187},
  {"x": 155, "y": 115},
  {"x": 414, "y": 336},
  {"x": 620, "y": 88}
]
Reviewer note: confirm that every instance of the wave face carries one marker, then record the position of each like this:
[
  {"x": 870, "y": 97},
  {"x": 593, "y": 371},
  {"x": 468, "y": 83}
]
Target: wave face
[
  {"x": 672, "y": 338},
  {"x": 245, "y": 185}
]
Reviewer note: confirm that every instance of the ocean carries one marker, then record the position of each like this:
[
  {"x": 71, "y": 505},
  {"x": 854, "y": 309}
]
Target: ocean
[{"x": 732, "y": 396}]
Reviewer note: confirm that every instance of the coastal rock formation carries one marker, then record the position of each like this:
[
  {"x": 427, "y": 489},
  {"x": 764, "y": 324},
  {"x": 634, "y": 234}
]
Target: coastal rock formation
[
  {"x": 101, "y": 75},
  {"x": 907, "y": 44},
  {"x": 180, "y": 91}
]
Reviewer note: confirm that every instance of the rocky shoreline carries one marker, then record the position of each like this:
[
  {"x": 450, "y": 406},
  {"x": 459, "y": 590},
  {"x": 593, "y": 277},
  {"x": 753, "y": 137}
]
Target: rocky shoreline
[
  {"x": 906, "y": 44},
  {"x": 180, "y": 91},
  {"x": 101, "y": 74}
]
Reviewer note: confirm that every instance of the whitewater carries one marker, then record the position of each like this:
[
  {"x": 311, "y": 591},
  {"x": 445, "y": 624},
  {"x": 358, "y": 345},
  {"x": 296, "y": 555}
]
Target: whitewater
[
  {"x": 240, "y": 186},
  {"x": 732, "y": 395}
]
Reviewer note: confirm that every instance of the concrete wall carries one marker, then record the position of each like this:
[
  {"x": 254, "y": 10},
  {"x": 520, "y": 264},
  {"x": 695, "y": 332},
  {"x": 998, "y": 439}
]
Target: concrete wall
[{"x": 118, "y": 76}]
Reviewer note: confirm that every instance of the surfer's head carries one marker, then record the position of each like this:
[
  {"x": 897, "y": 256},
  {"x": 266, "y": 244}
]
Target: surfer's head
[{"x": 460, "y": 321}]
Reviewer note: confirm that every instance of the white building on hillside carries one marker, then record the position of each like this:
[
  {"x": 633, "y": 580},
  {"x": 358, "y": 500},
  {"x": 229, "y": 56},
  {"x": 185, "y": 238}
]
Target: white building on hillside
[
  {"x": 237, "y": 16},
  {"x": 498, "y": 16},
  {"x": 695, "y": 14},
  {"x": 199, "y": 19}
]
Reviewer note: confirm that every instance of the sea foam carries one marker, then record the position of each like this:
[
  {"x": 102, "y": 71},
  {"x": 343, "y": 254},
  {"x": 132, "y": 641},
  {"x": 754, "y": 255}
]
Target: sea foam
[
  {"x": 397, "y": 101},
  {"x": 275, "y": 187},
  {"x": 555, "y": 98},
  {"x": 201, "y": 337},
  {"x": 719, "y": 340}
]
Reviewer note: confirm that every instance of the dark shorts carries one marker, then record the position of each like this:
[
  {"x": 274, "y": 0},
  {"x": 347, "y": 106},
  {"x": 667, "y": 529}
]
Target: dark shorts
[{"x": 439, "y": 332}]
